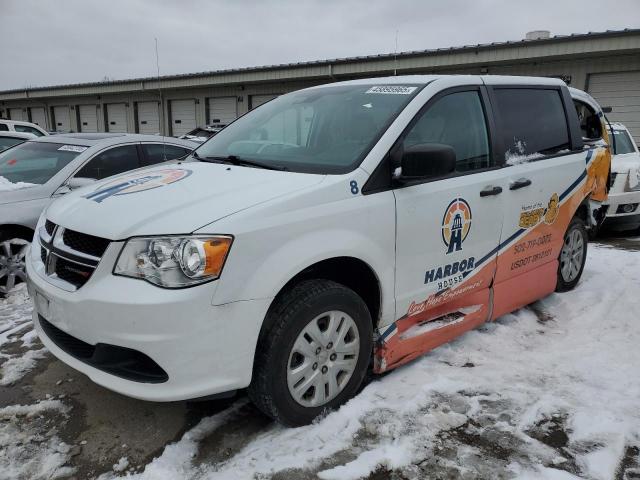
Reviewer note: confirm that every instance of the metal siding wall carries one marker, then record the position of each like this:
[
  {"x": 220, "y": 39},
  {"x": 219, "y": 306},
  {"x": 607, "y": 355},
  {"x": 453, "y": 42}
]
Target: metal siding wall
[
  {"x": 39, "y": 116},
  {"x": 621, "y": 92}
]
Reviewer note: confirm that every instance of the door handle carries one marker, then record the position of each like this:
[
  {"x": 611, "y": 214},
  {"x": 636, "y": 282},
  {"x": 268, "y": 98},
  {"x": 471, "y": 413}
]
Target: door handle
[
  {"x": 489, "y": 191},
  {"x": 520, "y": 183}
]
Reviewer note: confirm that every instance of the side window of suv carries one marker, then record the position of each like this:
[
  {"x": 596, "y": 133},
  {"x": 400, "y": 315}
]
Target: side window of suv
[
  {"x": 533, "y": 122},
  {"x": 111, "y": 162},
  {"x": 157, "y": 153},
  {"x": 4, "y": 127},
  {"x": 456, "y": 120},
  {"x": 27, "y": 129},
  {"x": 590, "y": 125}
]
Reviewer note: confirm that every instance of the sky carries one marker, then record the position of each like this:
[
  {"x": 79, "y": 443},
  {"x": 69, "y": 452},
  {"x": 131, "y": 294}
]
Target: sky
[{"x": 47, "y": 42}]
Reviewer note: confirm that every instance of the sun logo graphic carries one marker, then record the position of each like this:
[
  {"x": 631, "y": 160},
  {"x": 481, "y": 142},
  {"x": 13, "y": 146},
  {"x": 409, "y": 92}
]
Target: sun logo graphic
[{"x": 456, "y": 224}]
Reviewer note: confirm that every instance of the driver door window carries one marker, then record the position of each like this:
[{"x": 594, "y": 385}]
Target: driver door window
[
  {"x": 111, "y": 162},
  {"x": 456, "y": 120}
]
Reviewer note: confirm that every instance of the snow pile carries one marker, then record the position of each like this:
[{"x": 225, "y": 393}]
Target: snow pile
[
  {"x": 6, "y": 184},
  {"x": 549, "y": 392},
  {"x": 31, "y": 449},
  {"x": 19, "y": 347}
]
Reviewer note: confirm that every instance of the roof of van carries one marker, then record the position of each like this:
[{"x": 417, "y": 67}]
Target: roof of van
[{"x": 424, "y": 79}]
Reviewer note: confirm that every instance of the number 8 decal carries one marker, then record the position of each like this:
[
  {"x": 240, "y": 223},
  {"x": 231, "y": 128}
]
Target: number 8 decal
[{"x": 354, "y": 187}]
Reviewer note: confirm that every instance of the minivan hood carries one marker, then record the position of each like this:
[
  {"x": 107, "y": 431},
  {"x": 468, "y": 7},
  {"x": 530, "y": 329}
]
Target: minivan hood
[{"x": 171, "y": 199}]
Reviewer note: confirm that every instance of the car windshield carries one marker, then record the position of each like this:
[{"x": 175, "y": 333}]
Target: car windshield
[
  {"x": 623, "y": 143},
  {"x": 36, "y": 162},
  {"x": 6, "y": 142},
  {"x": 321, "y": 130}
]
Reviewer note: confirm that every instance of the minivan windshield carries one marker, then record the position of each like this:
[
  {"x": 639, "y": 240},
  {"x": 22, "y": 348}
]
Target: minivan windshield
[
  {"x": 36, "y": 162},
  {"x": 321, "y": 130}
]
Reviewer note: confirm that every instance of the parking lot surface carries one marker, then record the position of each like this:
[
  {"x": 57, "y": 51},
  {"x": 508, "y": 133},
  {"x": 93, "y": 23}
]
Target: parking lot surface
[{"x": 550, "y": 391}]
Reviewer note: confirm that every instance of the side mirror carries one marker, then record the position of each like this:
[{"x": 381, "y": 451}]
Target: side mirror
[
  {"x": 607, "y": 109},
  {"x": 78, "y": 182},
  {"x": 427, "y": 161}
]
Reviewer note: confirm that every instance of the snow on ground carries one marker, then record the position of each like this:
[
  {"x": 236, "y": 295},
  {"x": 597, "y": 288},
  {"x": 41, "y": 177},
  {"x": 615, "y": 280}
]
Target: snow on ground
[
  {"x": 19, "y": 347},
  {"x": 29, "y": 446},
  {"x": 6, "y": 184},
  {"x": 549, "y": 392}
]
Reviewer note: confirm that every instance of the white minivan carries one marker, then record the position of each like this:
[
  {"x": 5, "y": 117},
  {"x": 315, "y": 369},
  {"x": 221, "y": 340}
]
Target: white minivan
[{"x": 345, "y": 226}]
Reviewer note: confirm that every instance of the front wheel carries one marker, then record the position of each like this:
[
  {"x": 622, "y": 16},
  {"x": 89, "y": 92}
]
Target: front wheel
[
  {"x": 316, "y": 354},
  {"x": 572, "y": 256},
  {"x": 13, "y": 253}
]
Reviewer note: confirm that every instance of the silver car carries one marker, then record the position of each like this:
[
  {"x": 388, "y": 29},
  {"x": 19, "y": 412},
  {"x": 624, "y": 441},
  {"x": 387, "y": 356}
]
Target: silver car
[{"x": 35, "y": 172}]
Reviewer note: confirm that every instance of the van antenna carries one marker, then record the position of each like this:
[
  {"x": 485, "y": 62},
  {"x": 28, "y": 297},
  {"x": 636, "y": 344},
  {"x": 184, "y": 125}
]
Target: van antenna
[
  {"x": 161, "y": 106},
  {"x": 395, "y": 57}
]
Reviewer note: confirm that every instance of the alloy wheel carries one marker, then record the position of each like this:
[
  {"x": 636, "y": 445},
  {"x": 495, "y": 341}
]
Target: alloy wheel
[
  {"x": 572, "y": 255},
  {"x": 13, "y": 253}
]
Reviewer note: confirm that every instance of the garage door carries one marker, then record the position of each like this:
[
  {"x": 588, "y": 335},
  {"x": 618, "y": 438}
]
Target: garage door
[
  {"x": 88, "y": 116},
  {"x": 16, "y": 114},
  {"x": 39, "y": 116},
  {"x": 621, "y": 92},
  {"x": 116, "y": 117},
  {"x": 183, "y": 116},
  {"x": 62, "y": 120},
  {"x": 257, "y": 100},
  {"x": 148, "y": 118},
  {"x": 222, "y": 110}
]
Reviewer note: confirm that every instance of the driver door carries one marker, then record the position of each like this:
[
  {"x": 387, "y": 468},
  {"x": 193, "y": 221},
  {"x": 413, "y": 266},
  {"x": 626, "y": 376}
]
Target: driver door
[{"x": 448, "y": 229}]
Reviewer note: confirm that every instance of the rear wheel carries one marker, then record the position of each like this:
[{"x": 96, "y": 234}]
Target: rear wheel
[
  {"x": 316, "y": 353},
  {"x": 572, "y": 256},
  {"x": 13, "y": 254}
]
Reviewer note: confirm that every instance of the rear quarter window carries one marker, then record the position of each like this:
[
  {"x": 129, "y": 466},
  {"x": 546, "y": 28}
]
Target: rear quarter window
[{"x": 533, "y": 123}]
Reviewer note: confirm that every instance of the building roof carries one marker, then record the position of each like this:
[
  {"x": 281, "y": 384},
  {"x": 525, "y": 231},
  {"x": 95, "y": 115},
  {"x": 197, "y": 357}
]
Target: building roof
[{"x": 229, "y": 77}]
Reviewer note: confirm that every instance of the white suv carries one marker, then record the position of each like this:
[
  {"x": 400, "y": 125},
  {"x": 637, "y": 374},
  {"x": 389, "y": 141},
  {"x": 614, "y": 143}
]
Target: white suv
[
  {"x": 346, "y": 225},
  {"x": 623, "y": 211},
  {"x": 23, "y": 127}
]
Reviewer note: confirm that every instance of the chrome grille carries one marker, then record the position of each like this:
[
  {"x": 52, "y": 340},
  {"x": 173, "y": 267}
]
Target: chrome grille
[{"x": 68, "y": 256}]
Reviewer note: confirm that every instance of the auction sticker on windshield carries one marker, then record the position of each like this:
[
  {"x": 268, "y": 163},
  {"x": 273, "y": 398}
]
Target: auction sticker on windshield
[
  {"x": 392, "y": 90},
  {"x": 72, "y": 148}
]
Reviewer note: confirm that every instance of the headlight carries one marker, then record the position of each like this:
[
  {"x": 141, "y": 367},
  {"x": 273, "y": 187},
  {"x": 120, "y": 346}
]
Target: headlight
[{"x": 174, "y": 262}]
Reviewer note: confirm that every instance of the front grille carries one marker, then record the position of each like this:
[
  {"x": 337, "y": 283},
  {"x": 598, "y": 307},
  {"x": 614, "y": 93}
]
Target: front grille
[
  {"x": 87, "y": 244},
  {"x": 72, "y": 256},
  {"x": 49, "y": 226},
  {"x": 120, "y": 361},
  {"x": 74, "y": 273}
]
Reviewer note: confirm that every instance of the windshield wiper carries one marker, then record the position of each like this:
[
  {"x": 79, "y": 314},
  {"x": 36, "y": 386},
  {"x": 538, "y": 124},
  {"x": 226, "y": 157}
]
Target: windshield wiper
[{"x": 235, "y": 160}]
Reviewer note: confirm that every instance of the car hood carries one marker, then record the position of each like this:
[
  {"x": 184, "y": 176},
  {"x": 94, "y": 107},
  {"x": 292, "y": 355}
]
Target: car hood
[
  {"x": 625, "y": 162},
  {"x": 23, "y": 194},
  {"x": 171, "y": 199}
]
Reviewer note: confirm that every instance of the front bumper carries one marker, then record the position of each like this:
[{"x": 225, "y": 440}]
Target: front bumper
[
  {"x": 204, "y": 349},
  {"x": 623, "y": 209}
]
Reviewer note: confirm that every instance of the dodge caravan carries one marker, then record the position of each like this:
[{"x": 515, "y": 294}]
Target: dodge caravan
[{"x": 345, "y": 226}]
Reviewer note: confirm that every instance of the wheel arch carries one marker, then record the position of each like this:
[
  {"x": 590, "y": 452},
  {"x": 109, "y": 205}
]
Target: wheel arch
[
  {"x": 21, "y": 231},
  {"x": 352, "y": 272}
]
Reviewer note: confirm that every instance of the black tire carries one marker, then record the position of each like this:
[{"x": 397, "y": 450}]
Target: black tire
[
  {"x": 288, "y": 316},
  {"x": 576, "y": 227}
]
